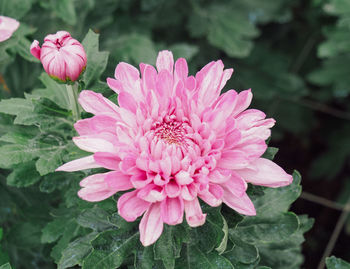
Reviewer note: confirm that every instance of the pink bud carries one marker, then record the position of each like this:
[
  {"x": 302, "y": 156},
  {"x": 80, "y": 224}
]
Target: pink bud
[
  {"x": 7, "y": 27},
  {"x": 62, "y": 56}
]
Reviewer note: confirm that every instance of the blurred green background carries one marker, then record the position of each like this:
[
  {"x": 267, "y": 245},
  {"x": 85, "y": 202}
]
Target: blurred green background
[{"x": 294, "y": 54}]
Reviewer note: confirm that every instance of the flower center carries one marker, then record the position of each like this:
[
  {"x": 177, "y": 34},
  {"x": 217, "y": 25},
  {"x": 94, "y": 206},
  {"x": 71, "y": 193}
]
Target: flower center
[
  {"x": 58, "y": 43},
  {"x": 171, "y": 132}
]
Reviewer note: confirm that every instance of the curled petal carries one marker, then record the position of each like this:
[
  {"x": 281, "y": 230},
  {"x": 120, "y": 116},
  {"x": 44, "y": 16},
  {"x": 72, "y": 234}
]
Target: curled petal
[
  {"x": 79, "y": 164},
  {"x": 265, "y": 173},
  {"x": 95, "y": 188},
  {"x": 241, "y": 204},
  {"x": 165, "y": 61},
  {"x": 35, "y": 49},
  {"x": 172, "y": 210},
  {"x": 130, "y": 206},
  {"x": 151, "y": 225},
  {"x": 194, "y": 214}
]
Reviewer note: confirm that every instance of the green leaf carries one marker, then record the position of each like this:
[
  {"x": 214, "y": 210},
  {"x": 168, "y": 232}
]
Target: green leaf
[
  {"x": 96, "y": 60},
  {"x": 97, "y": 219},
  {"x": 70, "y": 230},
  {"x": 266, "y": 229},
  {"x": 49, "y": 161},
  {"x": 242, "y": 252},
  {"x": 110, "y": 249},
  {"x": 285, "y": 253},
  {"x": 183, "y": 50},
  {"x": 193, "y": 258},
  {"x": 213, "y": 228},
  {"x": 223, "y": 245},
  {"x": 53, "y": 230},
  {"x": 336, "y": 263},
  {"x": 134, "y": 48},
  {"x": 277, "y": 200},
  {"x": 144, "y": 258},
  {"x": 15, "y": 8},
  {"x": 168, "y": 246},
  {"x": 54, "y": 91},
  {"x": 23, "y": 175},
  {"x": 65, "y": 10},
  {"x": 15, "y": 106},
  {"x": 270, "y": 153},
  {"x": 6, "y": 266},
  {"x": 76, "y": 251},
  {"x": 238, "y": 42}
]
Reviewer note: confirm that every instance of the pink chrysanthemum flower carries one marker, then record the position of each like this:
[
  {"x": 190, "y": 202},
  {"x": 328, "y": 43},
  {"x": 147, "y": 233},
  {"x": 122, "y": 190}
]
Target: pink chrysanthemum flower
[
  {"x": 62, "y": 56},
  {"x": 7, "y": 27},
  {"x": 173, "y": 139}
]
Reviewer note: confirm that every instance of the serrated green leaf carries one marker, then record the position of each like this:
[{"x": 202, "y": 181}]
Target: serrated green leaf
[
  {"x": 193, "y": 258},
  {"x": 6, "y": 266},
  {"x": 15, "y": 8},
  {"x": 76, "y": 251},
  {"x": 183, "y": 50},
  {"x": 65, "y": 10},
  {"x": 144, "y": 258},
  {"x": 237, "y": 43},
  {"x": 23, "y": 175},
  {"x": 97, "y": 219},
  {"x": 54, "y": 91},
  {"x": 270, "y": 153},
  {"x": 242, "y": 252},
  {"x": 168, "y": 246},
  {"x": 134, "y": 48},
  {"x": 53, "y": 230},
  {"x": 96, "y": 60},
  {"x": 110, "y": 249},
  {"x": 277, "y": 200},
  {"x": 70, "y": 230},
  {"x": 336, "y": 263},
  {"x": 266, "y": 229},
  {"x": 14, "y": 106}
]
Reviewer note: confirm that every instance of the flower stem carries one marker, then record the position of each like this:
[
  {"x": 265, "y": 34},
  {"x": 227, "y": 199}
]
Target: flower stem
[{"x": 72, "y": 91}]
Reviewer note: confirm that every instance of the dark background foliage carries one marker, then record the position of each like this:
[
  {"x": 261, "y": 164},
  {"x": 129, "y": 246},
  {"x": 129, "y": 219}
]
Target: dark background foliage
[{"x": 294, "y": 54}]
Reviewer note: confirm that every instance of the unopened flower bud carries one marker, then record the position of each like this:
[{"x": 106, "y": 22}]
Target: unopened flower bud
[
  {"x": 7, "y": 27},
  {"x": 62, "y": 56}
]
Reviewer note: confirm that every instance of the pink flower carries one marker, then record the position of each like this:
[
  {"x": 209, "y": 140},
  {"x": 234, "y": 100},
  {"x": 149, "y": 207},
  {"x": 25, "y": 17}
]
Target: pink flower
[
  {"x": 63, "y": 57},
  {"x": 173, "y": 139},
  {"x": 7, "y": 27}
]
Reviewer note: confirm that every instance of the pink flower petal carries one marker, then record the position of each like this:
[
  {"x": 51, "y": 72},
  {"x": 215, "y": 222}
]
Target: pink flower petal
[
  {"x": 165, "y": 61},
  {"x": 107, "y": 160},
  {"x": 118, "y": 181},
  {"x": 83, "y": 127},
  {"x": 194, "y": 214},
  {"x": 233, "y": 159},
  {"x": 79, "y": 164},
  {"x": 265, "y": 173},
  {"x": 151, "y": 225},
  {"x": 35, "y": 49},
  {"x": 7, "y": 27},
  {"x": 127, "y": 101},
  {"x": 236, "y": 185},
  {"x": 244, "y": 99},
  {"x": 172, "y": 210},
  {"x": 181, "y": 69},
  {"x": 241, "y": 204},
  {"x": 212, "y": 196},
  {"x": 94, "y": 144},
  {"x": 95, "y": 188},
  {"x": 130, "y": 207},
  {"x": 208, "y": 80},
  {"x": 96, "y": 104}
]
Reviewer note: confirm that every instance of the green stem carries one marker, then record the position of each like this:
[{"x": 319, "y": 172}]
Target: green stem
[{"x": 72, "y": 91}]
